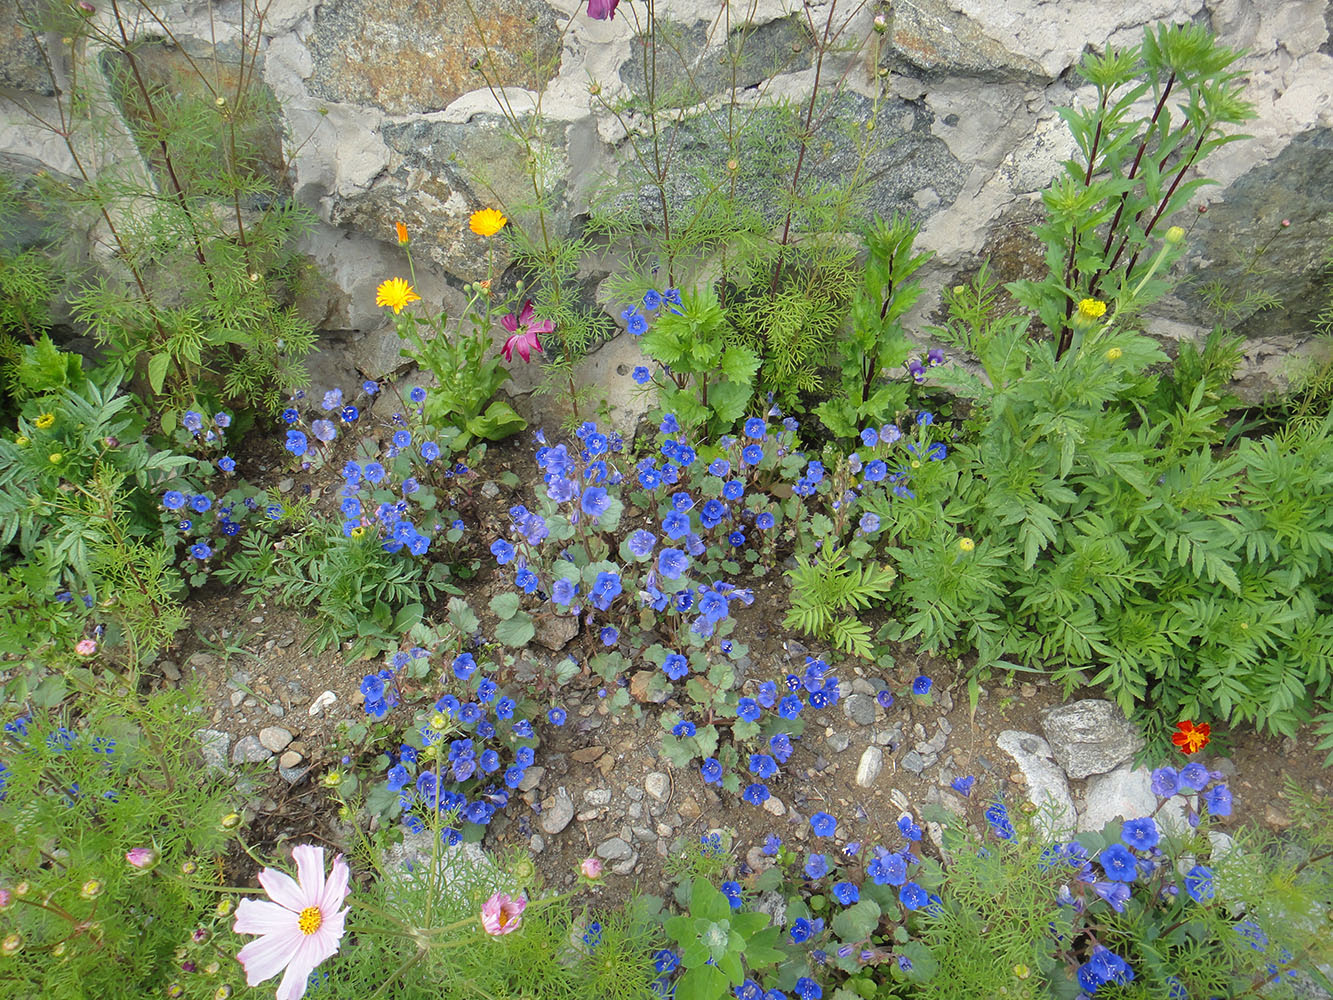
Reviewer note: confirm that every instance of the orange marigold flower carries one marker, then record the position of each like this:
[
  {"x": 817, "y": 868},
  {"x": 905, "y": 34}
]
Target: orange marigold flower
[
  {"x": 403, "y": 239},
  {"x": 395, "y": 293},
  {"x": 1191, "y": 738},
  {"x": 486, "y": 222}
]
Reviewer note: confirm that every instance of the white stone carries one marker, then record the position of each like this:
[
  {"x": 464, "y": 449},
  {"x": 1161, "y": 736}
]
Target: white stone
[
  {"x": 1122, "y": 794},
  {"x": 872, "y": 762},
  {"x": 658, "y": 786},
  {"x": 1047, "y": 787},
  {"x": 322, "y": 702}
]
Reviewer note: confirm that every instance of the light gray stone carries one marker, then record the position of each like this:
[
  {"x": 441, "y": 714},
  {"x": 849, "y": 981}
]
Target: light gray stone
[
  {"x": 860, "y": 708},
  {"x": 614, "y": 849},
  {"x": 838, "y": 742},
  {"x": 872, "y": 762},
  {"x": 557, "y": 812},
  {"x": 597, "y": 796},
  {"x": 1047, "y": 788},
  {"x": 214, "y": 744},
  {"x": 657, "y": 785},
  {"x": 532, "y": 777},
  {"x": 1091, "y": 736},
  {"x": 914, "y": 762},
  {"x": 274, "y": 738},
  {"x": 248, "y": 750},
  {"x": 1124, "y": 793},
  {"x": 325, "y": 700}
]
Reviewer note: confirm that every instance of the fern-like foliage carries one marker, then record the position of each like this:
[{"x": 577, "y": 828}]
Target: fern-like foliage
[{"x": 827, "y": 589}]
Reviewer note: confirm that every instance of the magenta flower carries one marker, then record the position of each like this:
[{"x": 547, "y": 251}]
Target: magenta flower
[
  {"x": 602, "y": 10},
  {"x": 300, "y": 928},
  {"x": 523, "y": 333},
  {"x": 141, "y": 857},
  {"x": 501, "y": 915}
]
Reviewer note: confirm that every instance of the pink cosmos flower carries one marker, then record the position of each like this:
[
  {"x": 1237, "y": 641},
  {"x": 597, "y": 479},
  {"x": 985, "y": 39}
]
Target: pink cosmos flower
[
  {"x": 141, "y": 857},
  {"x": 86, "y": 647},
  {"x": 524, "y": 333},
  {"x": 602, "y": 10},
  {"x": 300, "y": 928},
  {"x": 591, "y": 867},
  {"x": 501, "y": 915}
]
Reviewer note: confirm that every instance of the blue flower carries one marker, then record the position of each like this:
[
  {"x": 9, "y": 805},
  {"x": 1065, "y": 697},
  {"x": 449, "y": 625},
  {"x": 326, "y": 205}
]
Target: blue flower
[
  {"x": 756, "y": 428},
  {"x": 1194, "y": 775},
  {"x": 675, "y": 666},
  {"x": 504, "y": 708},
  {"x": 200, "y": 550},
  {"x": 802, "y": 930},
  {"x": 1218, "y": 800},
  {"x": 732, "y": 890},
  {"x": 748, "y": 709},
  {"x": 666, "y": 960},
  {"x": 564, "y": 591},
  {"x": 605, "y": 589},
  {"x": 1118, "y": 864},
  {"x": 652, "y": 299},
  {"x": 908, "y": 829},
  {"x": 296, "y": 442},
  {"x": 771, "y": 845},
  {"x": 1115, "y": 893},
  {"x": 998, "y": 818},
  {"x": 912, "y": 896},
  {"x": 711, "y": 770},
  {"x": 755, "y": 793},
  {"x": 925, "y": 418},
  {"x": 227, "y": 464},
  {"x": 887, "y": 869},
  {"x": 676, "y": 525},
  {"x": 1165, "y": 782},
  {"x": 752, "y": 454},
  {"x": 808, "y": 989},
  {"x": 763, "y": 521},
  {"x": 921, "y": 686},
  {"x": 374, "y": 472},
  {"x": 869, "y": 438},
  {"x": 763, "y": 766},
  {"x": 637, "y": 324},
  {"x": 401, "y": 439},
  {"x": 683, "y": 729},
  {"x": 465, "y": 665},
  {"x": 816, "y": 866},
  {"x": 1140, "y": 834},
  {"x": 193, "y": 421},
  {"x": 846, "y": 893},
  {"x": 502, "y": 550},
  {"x": 417, "y": 395},
  {"x": 640, "y": 375},
  {"x": 876, "y": 471},
  {"x": 790, "y": 706},
  {"x": 823, "y": 824},
  {"x": 173, "y": 500},
  {"x": 556, "y": 716},
  {"x": 780, "y": 744},
  {"x": 200, "y": 503}
]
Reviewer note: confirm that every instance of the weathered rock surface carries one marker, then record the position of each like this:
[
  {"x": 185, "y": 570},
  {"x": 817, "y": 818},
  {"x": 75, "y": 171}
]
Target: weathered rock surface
[
  {"x": 1047, "y": 788},
  {"x": 1090, "y": 736}
]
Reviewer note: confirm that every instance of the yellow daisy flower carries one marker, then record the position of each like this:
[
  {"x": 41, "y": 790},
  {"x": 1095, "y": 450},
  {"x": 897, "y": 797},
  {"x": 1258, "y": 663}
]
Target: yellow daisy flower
[
  {"x": 486, "y": 222},
  {"x": 395, "y": 293},
  {"x": 1090, "y": 309},
  {"x": 45, "y": 421}
]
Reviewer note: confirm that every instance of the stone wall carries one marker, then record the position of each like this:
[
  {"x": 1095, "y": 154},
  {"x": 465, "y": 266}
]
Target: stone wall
[{"x": 388, "y": 116}]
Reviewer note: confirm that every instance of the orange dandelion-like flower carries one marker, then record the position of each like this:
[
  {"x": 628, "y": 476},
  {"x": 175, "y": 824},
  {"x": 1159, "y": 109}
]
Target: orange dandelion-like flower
[
  {"x": 1191, "y": 738},
  {"x": 402, "y": 233},
  {"x": 486, "y": 222},
  {"x": 395, "y": 293}
]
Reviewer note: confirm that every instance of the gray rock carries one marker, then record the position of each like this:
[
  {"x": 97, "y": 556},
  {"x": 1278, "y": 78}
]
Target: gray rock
[
  {"x": 290, "y": 759},
  {"x": 872, "y": 762},
  {"x": 1125, "y": 793},
  {"x": 773, "y": 806},
  {"x": 597, "y": 796},
  {"x": 1091, "y": 736},
  {"x": 557, "y": 812},
  {"x": 170, "y": 670},
  {"x": 614, "y": 849},
  {"x": 1047, "y": 787},
  {"x": 914, "y": 762},
  {"x": 537, "y": 843},
  {"x": 657, "y": 785},
  {"x": 275, "y": 710},
  {"x": 532, "y": 777},
  {"x": 214, "y": 744},
  {"x": 248, "y": 750},
  {"x": 838, "y": 742},
  {"x": 860, "y": 708},
  {"x": 274, "y": 738}
]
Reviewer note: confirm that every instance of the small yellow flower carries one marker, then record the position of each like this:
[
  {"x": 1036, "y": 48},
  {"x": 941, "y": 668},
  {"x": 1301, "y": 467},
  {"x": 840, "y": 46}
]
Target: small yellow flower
[
  {"x": 966, "y": 544},
  {"x": 395, "y": 293},
  {"x": 358, "y": 531},
  {"x": 55, "y": 457},
  {"x": 486, "y": 222},
  {"x": 20, "y": 440},
  {"x": 403, "y": 239},
  {"x": 1175, "y": 234},
  {"x": 916, "y": 463},
  {"x": 1114, "y": 354},
  {"x": 45, "y": 421},
  {"x": 1090, "y": 309},
  {"x": 333, "y": 779},
  {"x": 1245, "y": 626},
  {"x": 1022, "y": 971}
]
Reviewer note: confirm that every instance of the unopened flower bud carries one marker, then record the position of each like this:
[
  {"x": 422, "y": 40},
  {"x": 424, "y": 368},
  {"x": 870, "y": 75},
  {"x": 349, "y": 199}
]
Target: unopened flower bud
[
  {"x": 22, "y": 889},
  {"x": 1022, "y": 971},
  {"x": 91, "y": 889},
  {"x": 224, "y": 908},
  {"x": 199, "y": 935},
  {"x": 591, "y": 868},
  {"x": 58, "y": 949},
  {"x": 333, "y": 779},
  {"x": 594, "y": 88},
  {"x": 86, "y": 8},
  {"x": 142, "y": 857},
  {"x": 1286, "y": 223},
  {"x": 733, "y": 165},
  {"x": 212, "y": 968},
  {"x": 1114, "y": 354},
  {"x": 523, "y": 870},
  {"x": 222, "y": 992},
  {"x": 221, "y": 102},
  {"x": 175, "y": 990},
  {"x": 230, "y": 821},
  {"x": 881, "y": 23},
  {"x": 1174, "y": 235},
  {"x": 12, "y": 944},
  {"x": 6, "y": 899},
  {"x": 966, "y": 544},
  {"x": 188, "y": 868},
  {"x": 55, "y": 458}
]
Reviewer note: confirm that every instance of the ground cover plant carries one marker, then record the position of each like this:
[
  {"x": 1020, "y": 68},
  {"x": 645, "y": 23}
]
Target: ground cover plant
[{"x": 1045, "y": 492}]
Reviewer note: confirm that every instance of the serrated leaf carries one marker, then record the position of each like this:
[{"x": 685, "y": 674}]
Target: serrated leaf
[{"x": 856, "y": 922}]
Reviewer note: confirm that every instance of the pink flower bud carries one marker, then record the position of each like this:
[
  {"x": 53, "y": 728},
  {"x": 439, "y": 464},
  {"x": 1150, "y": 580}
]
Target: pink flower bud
[
  {"x": 86, "y": 647},
  {"x": 141, "y": 857},
  {"x": 591, "y": 868}
]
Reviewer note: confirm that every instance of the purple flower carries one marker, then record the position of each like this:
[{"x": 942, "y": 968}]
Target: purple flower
[
  {"x": 1140, "y": 834},
  {"x": 609, "y": 635},
  {"x": 672, "y": 563},
  {"x": 1218, "y": 800},
  {"x": 323, "y": 430},
  {"x": 1165, "y": 782},
  {"x": 1118, "y": 864},
  {"x": 595, "y": 501},
  {"x": 1194, "y": 775},
  {"x": 1115, "y": 893},
  {"x": 816, "y": 866}
]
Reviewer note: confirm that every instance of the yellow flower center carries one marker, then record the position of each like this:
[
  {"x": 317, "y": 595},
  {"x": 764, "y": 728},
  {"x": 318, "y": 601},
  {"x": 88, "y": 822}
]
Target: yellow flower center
[
  {"x": 916, "y": 463},
  {"x": 309, "y": 920},
  {"x": 55, "y": 457},
  {"x": 358, "y": 532},
  {"x": 20, "y": 440},
  {"x": 1091, "y": 309},
  {"x": 45, "y": 421},
  {"x": 1114, "y": 354}
]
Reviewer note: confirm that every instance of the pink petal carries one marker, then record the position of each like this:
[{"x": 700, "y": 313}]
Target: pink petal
[
  {"x": 308, "y": 955},
  {"x": 264, "y": 957},
  {"x": 309, "y": 873},
  {"x": 544, "y": 326},
  {"x": 509, "y": 323},
  {"x": 259, "y": 916},
  {"x": 335, "y": 889},
  {"x": 282, "y": 889},
  {"x": 525, "y": 316},
  {"x": 508, "y": 349}
]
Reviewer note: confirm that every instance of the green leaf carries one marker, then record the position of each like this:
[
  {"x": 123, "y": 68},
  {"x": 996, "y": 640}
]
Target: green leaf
[
  {"x": 770, "y": 878},
  {"x": 708, "y": 902},
  {"x": 516, "y": 631},
  {"x": 856, "y": 922},
  {"x": 499, "y": 421},
  {"x": 157, "y": 370},
  {"x": 505, "y": 605},
  {"x": 704, "y": 982}
]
